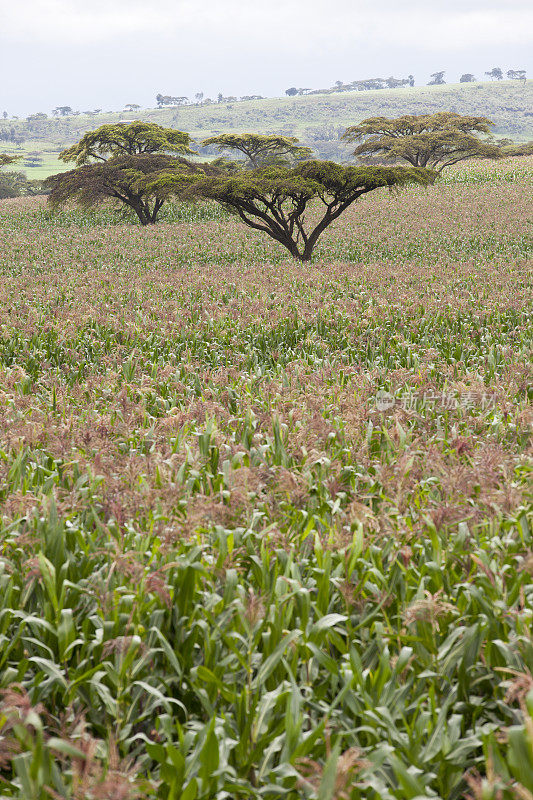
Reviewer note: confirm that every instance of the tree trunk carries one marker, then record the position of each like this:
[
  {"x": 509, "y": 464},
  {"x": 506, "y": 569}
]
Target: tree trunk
[
  {"x": 139, "y": 210},
  {"x": 292, "y": 247},
  {"x": 307, "y": 252},
  {"x": 288, "y": 243}
]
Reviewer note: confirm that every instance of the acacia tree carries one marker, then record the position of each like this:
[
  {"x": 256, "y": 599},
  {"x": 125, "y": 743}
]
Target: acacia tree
[
  {"x": 275, "y": 199},
  {"x": 142, "y": 182},
  {"x": 395, "y": 83},
  {"x": 5, "y": 159},
  {"x": 369, "y": 84},
  {"x": 261, "y": 150},
  {"x": 434, "y": 141},
  {"x": 226, "y": 166},
  {"x": 495, "y": 74},
  {"x": 166, "y": 100},
  {"x": 516, "y": 74},
  {"x": 120, "y": 139}
]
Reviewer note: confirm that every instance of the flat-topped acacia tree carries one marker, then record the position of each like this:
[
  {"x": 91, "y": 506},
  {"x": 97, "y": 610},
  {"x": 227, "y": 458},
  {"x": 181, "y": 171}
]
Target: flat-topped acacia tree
[
  {"x": 434, "y": 141},
  {"x": 260, "y": 150},
  {"x": 142, "y": 182},
  {"x": 127, "y": 139},
  {"x": 274, "y": 199},
  {"x": 125, "y": 162}
]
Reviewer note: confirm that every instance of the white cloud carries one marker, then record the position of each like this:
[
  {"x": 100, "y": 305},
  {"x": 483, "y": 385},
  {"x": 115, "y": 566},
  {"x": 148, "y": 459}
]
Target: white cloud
[
  {"x": 278, "y": 25},
  {"x": 103, "y": 53}
]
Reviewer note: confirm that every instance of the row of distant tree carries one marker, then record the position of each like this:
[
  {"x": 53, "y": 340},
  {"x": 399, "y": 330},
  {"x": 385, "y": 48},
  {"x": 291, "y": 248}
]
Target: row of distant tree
[
  {"x": 167, "y": 100},
  {"x": 437, "y": 79},
  {"x": 513, "y": 74},
  {"x": 199, "y": 99},
  {"x": 162, "y": 100},
  {"x": 496, "y": 73}
]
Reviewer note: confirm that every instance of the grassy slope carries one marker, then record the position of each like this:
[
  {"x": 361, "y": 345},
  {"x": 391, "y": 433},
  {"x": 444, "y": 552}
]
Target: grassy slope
[
  {"x": 218, "y": 553},
  {"x": 317, "y": 119}
]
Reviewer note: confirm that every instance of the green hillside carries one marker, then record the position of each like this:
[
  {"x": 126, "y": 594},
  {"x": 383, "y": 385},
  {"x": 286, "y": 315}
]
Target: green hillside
[{"x": 318, "y": 120}]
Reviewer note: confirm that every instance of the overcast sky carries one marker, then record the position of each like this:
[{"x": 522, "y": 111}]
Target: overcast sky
[{"x": 106, "y": 53}]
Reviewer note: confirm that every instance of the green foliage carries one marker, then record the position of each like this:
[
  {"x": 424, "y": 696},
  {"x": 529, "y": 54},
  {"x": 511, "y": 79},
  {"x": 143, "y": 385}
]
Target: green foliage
[
  {"x": 15, "y": 184},
  {"x": 274, "y": 200},
  {"x": 260, "y": 150},
  {"x": 511, "y": 149},
  {"x": 230, "y": 668},
  {"x": 112, "y": 141},
  {"x": 11, "y": 184},
  {"x": 434, "y": 141},
  {"x": 509, "y": 754},
  {"x": 142, "y": 182},
  {"x": 227, "y": 165},
  {"x": 7, "y": 159}
]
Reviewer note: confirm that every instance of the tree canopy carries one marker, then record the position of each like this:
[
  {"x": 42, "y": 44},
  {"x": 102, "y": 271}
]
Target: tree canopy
[
  {"x": 120, "y": 139},
  {"x": 168, "y": 100},
  {"x": 261, "y": 150},
  {"x": 434, "y": 141},
  {"x": 143, "y": 182},
  {"x": 516, "y": 74},
  {"x": 274, "y": 199},
  {"x": 6, "y": 159},
  {"x": 15, "y": 183},
  {"x": 512, "y": 149}
]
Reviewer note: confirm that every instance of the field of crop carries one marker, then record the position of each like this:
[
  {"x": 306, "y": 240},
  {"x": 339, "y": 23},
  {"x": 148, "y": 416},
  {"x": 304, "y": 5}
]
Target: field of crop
[{"x": 266, "y": 528}]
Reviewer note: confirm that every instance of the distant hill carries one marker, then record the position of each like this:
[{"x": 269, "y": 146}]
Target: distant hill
[{"x": 318, "y": 120}]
